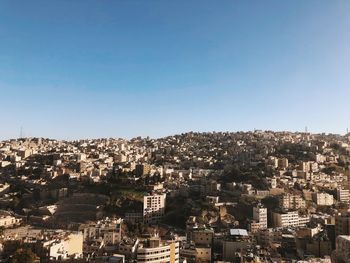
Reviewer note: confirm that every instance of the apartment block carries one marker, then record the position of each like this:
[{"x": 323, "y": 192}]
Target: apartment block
[
  {"x": 153, "y": 207},
  {"x": 154, "y": 250}
]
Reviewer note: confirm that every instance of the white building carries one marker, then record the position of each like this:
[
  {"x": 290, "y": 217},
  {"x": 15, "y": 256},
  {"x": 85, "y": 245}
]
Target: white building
[
  {"x": 107, "y": 230},
  {"x": 260, "y": 215},
  {"x": 289, "y": 219},
  {"x": 153, "y": 207},
  {"x": 294, "y": 202},
  {"x": 323, "y": 199},
  {"x": 154, "y": 250},
  {"x": 70, "y": 246}
]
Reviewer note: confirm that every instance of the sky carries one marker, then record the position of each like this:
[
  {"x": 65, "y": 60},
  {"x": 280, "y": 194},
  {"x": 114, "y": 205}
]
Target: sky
[{"x": 74, "y": 69}]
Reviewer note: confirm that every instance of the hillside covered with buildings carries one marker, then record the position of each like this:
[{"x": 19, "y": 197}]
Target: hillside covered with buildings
[{"x": 259, "y": 196}]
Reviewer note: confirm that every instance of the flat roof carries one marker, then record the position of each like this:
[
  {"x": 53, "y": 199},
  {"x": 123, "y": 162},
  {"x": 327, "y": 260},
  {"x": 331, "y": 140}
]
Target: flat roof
[{"x": 238, "y": 232}]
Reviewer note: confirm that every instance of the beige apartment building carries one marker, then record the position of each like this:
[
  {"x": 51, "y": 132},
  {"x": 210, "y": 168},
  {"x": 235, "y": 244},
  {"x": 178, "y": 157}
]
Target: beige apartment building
[
  {"x": 260, "y": 216},
  {"x": 154, "y": 250},
  {"x": 289, "y": 201},
  {"x": 343, "y": 195},
  {"x": 153, "y": 208},
  {"x": 289, "y": 219},
  {"x": 323, "y": 199}
]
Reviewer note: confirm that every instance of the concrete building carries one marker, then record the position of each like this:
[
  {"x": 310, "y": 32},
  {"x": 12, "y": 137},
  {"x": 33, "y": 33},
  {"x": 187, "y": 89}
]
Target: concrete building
[
  {"x": 308, "y": 166},
  {"x": 342, "y": 225},
  {"x": 134, "y": 217},
  {"x": 288, "y": 219},
  {"x": 142, "y": 169},
  {"x": 293, "y": 202},
  {"x": 107, "y": 230},
  {"x": 203, "y": 254},
  {"x": 343, "y": 195},
  {"x": 319, "y": 246},
  {"x": 236, "y": 241},
  {"x": 323, "y": 199},
  {"x": 153, "y": 208},
  {"x": 70, "y": 246},
  {"x": 202, "y": 236},
  {"x": 260, "y": 216},
  {"x": 154, "y": 250}
]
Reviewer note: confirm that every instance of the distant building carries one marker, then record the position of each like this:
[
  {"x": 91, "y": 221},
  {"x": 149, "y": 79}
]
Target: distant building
[
  {"x": 24, "y": 153},
  {"x": 70, "y": 246},
  {"x": 154, "y": 250},
  {"x": 203, "y": 254},
  {"x": 342, "y": 225},
  {"x": 81, "y": 157},
  {"x": 8, "y": 221},
  {"x": 196, "y": 253},
  {"x": 134, "y": 217},
  {"x": 153, "y": 207},
  {"x": 293, "y": 202},
  {"x": 237, "y": 241},
  {"x": 323, "y": 199},
  {"x": 260, "y": 215},
  {"x": 343, "y": 195},
  {"x": 288, "y": 219},
  {"x": 142, "y": 169},
  {"x": 107, "y": 230},
  {"x": 202, "y": 236}
]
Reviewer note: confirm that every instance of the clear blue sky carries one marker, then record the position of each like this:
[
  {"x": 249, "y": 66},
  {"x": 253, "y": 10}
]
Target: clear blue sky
[{"x": 86, "y": 69}]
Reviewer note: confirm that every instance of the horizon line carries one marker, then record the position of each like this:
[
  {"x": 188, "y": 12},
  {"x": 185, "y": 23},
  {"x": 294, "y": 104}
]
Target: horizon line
[{"x": 176, "y": 134}]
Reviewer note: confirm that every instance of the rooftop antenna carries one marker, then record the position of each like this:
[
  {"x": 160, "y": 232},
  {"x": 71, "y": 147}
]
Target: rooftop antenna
[{"x": 21, "y": 133}]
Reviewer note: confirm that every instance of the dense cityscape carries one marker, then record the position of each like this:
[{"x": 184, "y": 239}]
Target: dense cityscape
[
  {"x": 187, "y": 131},
  {"x": 259, "y": 196}
]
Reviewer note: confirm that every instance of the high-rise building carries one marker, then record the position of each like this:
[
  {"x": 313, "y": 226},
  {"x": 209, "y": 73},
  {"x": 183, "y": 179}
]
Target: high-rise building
[{"x": 153, "y": 207}]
